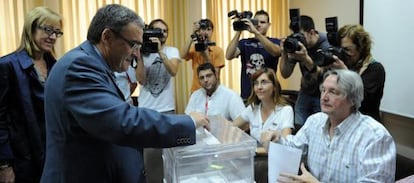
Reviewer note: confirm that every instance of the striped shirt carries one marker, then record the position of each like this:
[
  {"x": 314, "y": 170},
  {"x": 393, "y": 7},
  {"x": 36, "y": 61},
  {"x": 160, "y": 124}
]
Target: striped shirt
[{"x": 361, "y": 149}]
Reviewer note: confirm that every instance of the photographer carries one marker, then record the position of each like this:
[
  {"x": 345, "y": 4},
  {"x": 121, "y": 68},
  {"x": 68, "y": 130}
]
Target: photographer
[
  {"x": 202, "y": 32},
  {"x": 356, "y": 43},
  {"x": 155, "y": 74},
  {"x": 256, "y": 52},
  {"x": 307, "y": 102}
]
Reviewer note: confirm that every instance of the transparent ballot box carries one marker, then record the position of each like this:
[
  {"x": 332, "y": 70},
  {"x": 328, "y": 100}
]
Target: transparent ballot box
[{"x": 224, "y": 154}]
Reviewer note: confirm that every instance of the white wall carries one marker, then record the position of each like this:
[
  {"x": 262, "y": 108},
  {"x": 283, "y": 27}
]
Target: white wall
[{"x": 390, "y": 24}]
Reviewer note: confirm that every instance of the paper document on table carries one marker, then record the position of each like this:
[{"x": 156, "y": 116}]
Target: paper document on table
[{"x": 282, "y": 159}]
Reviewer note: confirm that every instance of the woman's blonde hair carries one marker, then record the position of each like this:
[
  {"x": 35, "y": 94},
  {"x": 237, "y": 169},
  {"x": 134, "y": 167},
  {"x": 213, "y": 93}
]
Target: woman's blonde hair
[{"x": 36, "y": 17}]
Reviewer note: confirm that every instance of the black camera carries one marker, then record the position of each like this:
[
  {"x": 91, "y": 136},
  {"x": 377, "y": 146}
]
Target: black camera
[
  {"x": 147, "y": 45},
  {"x": 326, "y": 56},
  {"x": 291, "y": 43},
  {"x": 240, "y": 25},
  {"x": 201, "y": 43},
  {"x": 204, "y": 24}
]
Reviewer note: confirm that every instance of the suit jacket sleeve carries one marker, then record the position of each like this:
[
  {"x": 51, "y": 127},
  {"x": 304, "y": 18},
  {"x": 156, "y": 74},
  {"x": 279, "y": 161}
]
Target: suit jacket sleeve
[
  {"x": 91, "y": 97},
  {"x": 5, "y": 149}
]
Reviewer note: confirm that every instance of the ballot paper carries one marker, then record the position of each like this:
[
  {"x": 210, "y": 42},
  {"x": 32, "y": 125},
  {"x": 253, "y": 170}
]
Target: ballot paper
[
  {"x": 206, "y": 137},
  {"x": 282, "y": 159}
]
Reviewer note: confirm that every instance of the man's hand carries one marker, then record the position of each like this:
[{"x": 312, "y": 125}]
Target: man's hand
[
  {"x": 291, "y": 178},
  {"x": 200, "y": 120},
  {"x": 156, "y": 40},
  {"x": 251, "y": 28},
  {"x": 7, "y": 175}
]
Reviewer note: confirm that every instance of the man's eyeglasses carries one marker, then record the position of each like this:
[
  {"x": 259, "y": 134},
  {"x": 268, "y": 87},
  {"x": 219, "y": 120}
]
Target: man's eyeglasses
[
  {"x": 133, "y": 44},
  {"x": 50, "y": 31}
]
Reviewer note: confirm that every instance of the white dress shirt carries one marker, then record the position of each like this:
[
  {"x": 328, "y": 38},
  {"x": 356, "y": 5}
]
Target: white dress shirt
[{"x": 223, "y": 101}]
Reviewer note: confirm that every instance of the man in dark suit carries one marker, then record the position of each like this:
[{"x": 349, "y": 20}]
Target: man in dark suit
[{"x": 92, "y": 134}]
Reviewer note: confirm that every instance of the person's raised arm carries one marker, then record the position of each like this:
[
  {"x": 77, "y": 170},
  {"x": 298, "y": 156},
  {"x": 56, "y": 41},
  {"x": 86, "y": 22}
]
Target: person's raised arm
[
  {"x": 140, "y": 71},
  {"x": 286, "y": 66},
  {"x": 272, "y": 48},
  {"x": 233, "y": 50},
  {"x": 268, "y": 45},
  {"x": 186, "y": 48},
  {"x": 171, "y": 64}
]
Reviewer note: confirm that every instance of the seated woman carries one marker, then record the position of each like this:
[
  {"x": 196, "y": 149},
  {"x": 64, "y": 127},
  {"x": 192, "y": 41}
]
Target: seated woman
[{"x": 267, "y": 111}]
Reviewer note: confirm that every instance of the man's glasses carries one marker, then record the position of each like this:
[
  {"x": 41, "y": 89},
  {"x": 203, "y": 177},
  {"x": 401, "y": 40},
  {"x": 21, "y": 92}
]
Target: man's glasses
[
  {"x": 133, "y": 44},
  {"x": 50, "y": 31}
]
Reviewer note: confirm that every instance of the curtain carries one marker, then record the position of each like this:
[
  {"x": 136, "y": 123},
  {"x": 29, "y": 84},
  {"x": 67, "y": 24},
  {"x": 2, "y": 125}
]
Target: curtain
[
  {"x": 78, "y": 14},
  {"x": 12, "y": 18}
]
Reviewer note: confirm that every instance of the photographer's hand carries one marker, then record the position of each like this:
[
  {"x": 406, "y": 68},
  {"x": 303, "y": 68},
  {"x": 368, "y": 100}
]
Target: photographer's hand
[
  {"x": 303, "y": 57},
  {"x": 196, "y": 27},
  {"x": 338, "y": 63},
  {"x": 259, "y": 34},
  {"x": 286, "y": 65},
  {"x": 301, "y": 54},
  {"x": 236, "y": 19},
  {"x": 251, "y": 28},
  {"x": 156, "y": 40}
]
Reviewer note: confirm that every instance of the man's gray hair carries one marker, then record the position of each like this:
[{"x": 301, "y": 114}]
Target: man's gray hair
[
  {"x": 114, "y": 17},
  {"x": 350, "y": 84}
]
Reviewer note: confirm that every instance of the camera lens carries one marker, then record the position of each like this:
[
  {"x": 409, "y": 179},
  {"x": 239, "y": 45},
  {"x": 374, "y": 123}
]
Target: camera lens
[{"x": 291, "y": 45}]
